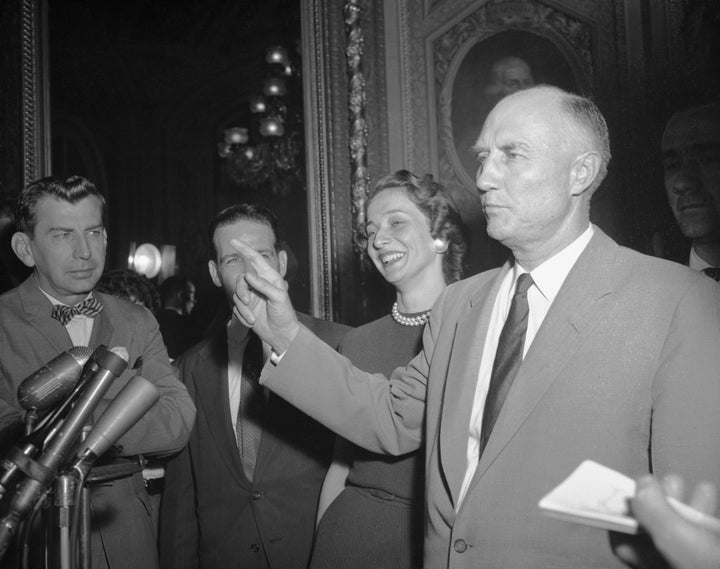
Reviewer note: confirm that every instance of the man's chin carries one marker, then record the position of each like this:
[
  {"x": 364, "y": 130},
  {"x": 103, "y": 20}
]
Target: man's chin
[{"x": 700, "y": 230}]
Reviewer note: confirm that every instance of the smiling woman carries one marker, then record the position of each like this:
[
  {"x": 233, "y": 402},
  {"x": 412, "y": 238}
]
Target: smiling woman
[{"x": 371, "y": 505}]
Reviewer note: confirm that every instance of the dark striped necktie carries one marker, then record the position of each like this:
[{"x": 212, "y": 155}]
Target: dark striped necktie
[
  {"x": 251, "y": 410},
  {"x": 89, "y": 307},
  {"x": 508, "y": 357},
  {"x": 712, "y": 272}
]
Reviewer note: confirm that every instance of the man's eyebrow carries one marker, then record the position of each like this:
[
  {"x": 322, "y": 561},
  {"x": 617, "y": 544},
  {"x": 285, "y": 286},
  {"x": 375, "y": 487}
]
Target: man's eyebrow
[
  {"x": 229, "y": 256},
  {"x": 514, "y": 145},
  {"x": 71, "y": 229},
  {"x": 709, "y": 146}
]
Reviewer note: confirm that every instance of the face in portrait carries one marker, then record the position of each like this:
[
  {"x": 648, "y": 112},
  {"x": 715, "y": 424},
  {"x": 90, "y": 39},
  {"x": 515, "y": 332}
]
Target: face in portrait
[
  {"x": 492, "y": 69},
  {"x": 691, "y": 164},
  {"x": 508, "y": 75}
]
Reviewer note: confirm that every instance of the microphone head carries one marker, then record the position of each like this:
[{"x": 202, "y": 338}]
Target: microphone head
[
  {"x": 114, "y": 360},
  {"x": 121, "y": 351},
  {"x": 54, "y": 381},
  {"x": 127, "y": 408}
]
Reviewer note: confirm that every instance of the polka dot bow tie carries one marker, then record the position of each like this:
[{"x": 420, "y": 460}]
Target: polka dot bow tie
[{"x": 90, "y": 307}]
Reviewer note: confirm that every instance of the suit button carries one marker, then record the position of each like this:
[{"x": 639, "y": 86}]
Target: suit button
[
  {"x": 460, "y": 546},
  {"x": 256, "y": 495},
  {"x": 254, "y": 548}
]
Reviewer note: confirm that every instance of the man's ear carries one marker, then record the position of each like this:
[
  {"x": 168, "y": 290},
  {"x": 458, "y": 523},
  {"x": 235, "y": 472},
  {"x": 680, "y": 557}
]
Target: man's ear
[
  {"x": 583, "y": 172},
  {"x": 282, "y": 262},
  {"x": 21, "y": 246},
  {"x": 212, "y": 267}
]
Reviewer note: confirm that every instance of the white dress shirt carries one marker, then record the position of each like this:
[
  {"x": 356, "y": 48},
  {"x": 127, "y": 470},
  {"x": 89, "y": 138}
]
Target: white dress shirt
[
  {"x": 696, "y": 262},
  {"x": 547, "y": 279}
]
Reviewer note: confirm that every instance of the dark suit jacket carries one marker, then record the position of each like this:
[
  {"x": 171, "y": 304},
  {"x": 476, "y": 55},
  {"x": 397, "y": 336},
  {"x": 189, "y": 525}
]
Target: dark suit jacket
[
  {"x": 623, "y": 371},
  {"x": 212, "y": 516},
  {"x": 29, "y": 338}
]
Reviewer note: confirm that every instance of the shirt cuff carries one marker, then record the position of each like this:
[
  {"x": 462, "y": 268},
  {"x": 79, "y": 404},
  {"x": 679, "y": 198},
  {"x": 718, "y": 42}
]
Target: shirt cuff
[{"x": 275, "y": 358}]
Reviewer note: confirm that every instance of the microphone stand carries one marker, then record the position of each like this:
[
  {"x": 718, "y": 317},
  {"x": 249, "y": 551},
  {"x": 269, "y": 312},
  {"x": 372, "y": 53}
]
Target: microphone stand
[
  {"x": 64, "y": 500},
  {"x": 84, "y": 546},
  {"x": 106, "y": 365}
]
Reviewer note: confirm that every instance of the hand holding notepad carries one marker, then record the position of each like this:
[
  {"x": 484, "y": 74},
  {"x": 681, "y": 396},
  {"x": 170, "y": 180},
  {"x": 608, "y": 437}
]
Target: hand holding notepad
[{"x": 599, "y": 496}]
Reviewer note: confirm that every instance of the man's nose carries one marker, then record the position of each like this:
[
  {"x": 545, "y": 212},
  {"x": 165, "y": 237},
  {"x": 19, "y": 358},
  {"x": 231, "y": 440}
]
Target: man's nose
[
  {"x": 686, "y": 179},
  {"x": 81, "y": 249},
  {"x": 486, "y": 177}
]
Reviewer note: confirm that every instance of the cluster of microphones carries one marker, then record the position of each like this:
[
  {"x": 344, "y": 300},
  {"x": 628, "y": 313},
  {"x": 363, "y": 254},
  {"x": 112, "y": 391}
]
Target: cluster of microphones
[{"x": 59, "y": 400}]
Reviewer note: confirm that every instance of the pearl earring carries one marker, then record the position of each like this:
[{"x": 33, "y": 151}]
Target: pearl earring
[{"x": 441, "y": 246}]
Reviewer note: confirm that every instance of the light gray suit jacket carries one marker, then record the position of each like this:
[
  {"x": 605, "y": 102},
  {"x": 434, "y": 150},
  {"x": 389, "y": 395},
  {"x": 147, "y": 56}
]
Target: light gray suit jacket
[{"x": 625, "y": 370}]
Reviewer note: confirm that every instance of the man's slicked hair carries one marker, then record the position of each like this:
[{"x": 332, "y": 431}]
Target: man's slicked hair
[
  {"x": 71, "y": 189},
  {"x": 241, "y": 211},
  {"x": 588, "y": 118}
]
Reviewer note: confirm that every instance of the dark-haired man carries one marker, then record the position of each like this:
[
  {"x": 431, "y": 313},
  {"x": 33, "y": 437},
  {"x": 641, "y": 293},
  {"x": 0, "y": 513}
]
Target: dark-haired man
[
  {"x": 576, "y": 349},
  {"x": 245, "y": 491},
  {"x": 691, "y": 163},
  {"x": 61, "y": 235}
]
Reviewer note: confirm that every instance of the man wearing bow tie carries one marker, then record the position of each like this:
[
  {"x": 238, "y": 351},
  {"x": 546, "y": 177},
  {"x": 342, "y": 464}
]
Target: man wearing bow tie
[
  {"x": 691, "y": 163},
  {"x": 62, "y": 237}
]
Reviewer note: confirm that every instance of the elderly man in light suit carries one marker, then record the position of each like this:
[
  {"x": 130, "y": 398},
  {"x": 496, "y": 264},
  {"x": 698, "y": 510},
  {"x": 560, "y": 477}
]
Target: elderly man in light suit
[{"x": 617, "y": 359}]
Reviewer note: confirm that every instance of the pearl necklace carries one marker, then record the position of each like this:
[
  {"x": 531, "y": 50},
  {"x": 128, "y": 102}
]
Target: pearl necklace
[{"x": 416, "y": 320}]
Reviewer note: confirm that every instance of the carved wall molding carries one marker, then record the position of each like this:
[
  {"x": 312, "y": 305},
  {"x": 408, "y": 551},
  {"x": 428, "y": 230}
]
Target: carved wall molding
[
  {"x": 35, "y": 92},
  {"x": 336, "y": 157},
  {"x": 360, "y": 178},
  {"x": 317, "y": 136}
]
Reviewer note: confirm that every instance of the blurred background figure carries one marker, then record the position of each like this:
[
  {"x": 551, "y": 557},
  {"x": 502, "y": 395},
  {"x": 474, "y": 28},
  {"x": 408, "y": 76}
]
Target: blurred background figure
[
  {"x": 12, "y": 271},
  {"x": 691, "y": 162},
  {"x": 127, "y": 284},
  {"x": 416, "y": 241},
  {"x": 177, "y": 294}
]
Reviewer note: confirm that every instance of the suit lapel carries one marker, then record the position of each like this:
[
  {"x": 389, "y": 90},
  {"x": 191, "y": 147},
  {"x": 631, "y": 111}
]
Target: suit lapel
[
  {"x": 461, "y": 382},
  {"x": 102, "y": 329},
  {"x": 574, "y": 312},
  {"x": 37, "y": 309},
  {"x": 269, "y": 441},
  {"x": 210, "y": 377}
]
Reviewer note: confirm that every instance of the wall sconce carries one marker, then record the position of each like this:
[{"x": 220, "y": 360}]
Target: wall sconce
[
  {"x": 145, "y": 260},
  {"x": 149, "y": 261}
]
